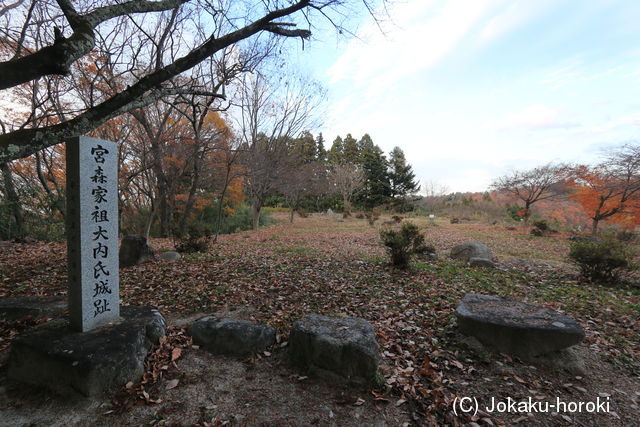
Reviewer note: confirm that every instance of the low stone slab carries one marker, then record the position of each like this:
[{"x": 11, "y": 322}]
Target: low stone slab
[
  {"x": 134, "y": 250},
  {"x": 231, "y": 336},
  {"x": 90, "y": 363},
  {"x": 466, "y": 251},
  {"x": 343, "y": 349},
  {"x": 517, "y": 328},
  {"x": 481, "y": 262},
  {"x": 18, "y": 308},
  {"x": 170, "y": 256}
]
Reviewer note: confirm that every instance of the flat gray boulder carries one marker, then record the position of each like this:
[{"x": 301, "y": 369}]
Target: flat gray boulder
[
  {"x": 343, "y": 349},
  {"x": 91, "y": 363},
  {"x": 466, "y": 251},
  {"x": 170, "y": 256},
  {"x": 517, "y": 328},
  {"x": 134, "y": 250},
  {"x": 481, "y": 263},
  {"x": 231, "y": 336}
]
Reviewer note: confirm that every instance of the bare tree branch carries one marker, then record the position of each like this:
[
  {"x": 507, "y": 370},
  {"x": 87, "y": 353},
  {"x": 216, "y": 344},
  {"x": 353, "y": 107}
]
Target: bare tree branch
[{"x": 57, "y": 58}]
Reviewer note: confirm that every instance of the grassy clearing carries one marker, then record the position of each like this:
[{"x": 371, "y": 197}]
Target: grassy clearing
[{"x": 339, "y": 268}]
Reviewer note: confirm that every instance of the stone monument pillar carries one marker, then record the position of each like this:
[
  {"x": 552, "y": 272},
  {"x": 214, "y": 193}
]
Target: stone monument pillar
[
  {"x": 92, "y": 232},
  {"x": 79, "y": 356}
]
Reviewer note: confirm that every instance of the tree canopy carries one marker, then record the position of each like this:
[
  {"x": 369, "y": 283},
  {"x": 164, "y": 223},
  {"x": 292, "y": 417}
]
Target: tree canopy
[{"x": 148, "y": 45}]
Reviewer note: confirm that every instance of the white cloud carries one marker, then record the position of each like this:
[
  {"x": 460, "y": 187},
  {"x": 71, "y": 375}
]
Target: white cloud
[
  {"x": 514, "y": 15},
  {"x": 535, "y": 117},
  {"x": 425, "y": 32},
  {"x": 440, "y": 86}
]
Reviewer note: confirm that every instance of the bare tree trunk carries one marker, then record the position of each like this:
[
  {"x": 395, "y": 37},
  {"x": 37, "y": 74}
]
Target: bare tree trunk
[
  {"x": 594, "y": 226},
  {"x": 219, "y": 213},
  {"x": 527, "y": 211},
  {"x": 221, "y": 202},
  {"x": 346, "y": 206},
  {"x": 182, "y": 227},
  {"x": 12, "y": 197},
  {"x": 163, "y": 205},
  {"x": 291, "y": 211},
  {"x": 147, "y": 227},
  {"x": 55, "y": 202},
  {"x": 256, "y": 206}
]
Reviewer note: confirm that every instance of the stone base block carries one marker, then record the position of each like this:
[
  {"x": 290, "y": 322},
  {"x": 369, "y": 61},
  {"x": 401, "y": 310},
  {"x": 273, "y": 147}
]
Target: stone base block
[
  {"x": 517, "y": 328},
  {"x": 231, "y": 336},
  {"x": 343, "y": 349},
  {"x": 90, "y": 363}
]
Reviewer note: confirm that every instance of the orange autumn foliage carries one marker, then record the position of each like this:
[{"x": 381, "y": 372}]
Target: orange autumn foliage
[{"x": 602, "y": 197}]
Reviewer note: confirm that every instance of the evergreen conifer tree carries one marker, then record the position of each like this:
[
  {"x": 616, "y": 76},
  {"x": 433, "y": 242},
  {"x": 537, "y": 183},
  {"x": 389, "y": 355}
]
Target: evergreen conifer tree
[{"x": 401, "y": 175}]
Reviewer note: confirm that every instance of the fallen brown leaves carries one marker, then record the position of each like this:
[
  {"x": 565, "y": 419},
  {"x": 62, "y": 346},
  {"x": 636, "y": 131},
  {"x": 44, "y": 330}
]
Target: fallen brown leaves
[
  {"x": 317, "y": 265},
  {"x": 161, "y": 371}
]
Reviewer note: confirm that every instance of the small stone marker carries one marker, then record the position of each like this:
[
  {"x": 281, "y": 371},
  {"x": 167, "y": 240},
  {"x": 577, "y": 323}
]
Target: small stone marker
[{"x": 92, "y": 232}]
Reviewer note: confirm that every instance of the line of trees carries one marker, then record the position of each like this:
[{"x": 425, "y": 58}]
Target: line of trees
[
  {"x": 192, "y": 91},
  {"x": 607, "y": 191},
  {"x": 357, "y": 172}
]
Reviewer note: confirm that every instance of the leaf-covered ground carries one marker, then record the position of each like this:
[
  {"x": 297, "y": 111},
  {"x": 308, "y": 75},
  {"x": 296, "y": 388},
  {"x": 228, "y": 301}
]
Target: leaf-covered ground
[{"x": 320, "y": 265}]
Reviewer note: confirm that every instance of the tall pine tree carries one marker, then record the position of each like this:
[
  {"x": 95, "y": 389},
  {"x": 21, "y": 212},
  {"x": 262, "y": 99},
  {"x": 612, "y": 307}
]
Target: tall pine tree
[
  {"x": 402, "y": 179},
  {"x": 321, "y": 152},
  {"x": 305, "y": 147},
  {"x": 377, "y": 187},
  {"x": 350, "y": 150},
  {"x": 334, "y": 155}
]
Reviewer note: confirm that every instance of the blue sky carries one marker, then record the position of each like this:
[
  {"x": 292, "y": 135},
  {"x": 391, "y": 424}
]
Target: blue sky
[{"x": 474, "y": 89}]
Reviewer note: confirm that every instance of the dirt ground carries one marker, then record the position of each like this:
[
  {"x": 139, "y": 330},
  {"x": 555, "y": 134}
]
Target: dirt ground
[{"x": 214, "y": 390}]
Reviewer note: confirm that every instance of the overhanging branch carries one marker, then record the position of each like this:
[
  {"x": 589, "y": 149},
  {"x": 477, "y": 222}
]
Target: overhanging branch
[
  {"x": 24, "y": 142},
  {"x": 58, "y": 58}
]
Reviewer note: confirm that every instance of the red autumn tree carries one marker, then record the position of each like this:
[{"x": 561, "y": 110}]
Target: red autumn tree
[
  {"x": 531, "y": 186},
  {"x": 610, "y": 190}
]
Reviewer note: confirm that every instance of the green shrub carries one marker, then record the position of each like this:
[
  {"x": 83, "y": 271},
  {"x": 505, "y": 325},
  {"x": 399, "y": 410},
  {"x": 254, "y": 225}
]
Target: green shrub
[
  {"x": 627, "y": 236},
  {"x": 372, "y": 216},
  {"x": 193, "y": 244},
  {"x": 197, "y": 239},
  {"x": 602, "y": 262},
  {"x": 537, "y": 232},
  {"x": 240, "y": 220},
  {"x": 402, "y": 244},
  {"x": 541, "y": 225}
]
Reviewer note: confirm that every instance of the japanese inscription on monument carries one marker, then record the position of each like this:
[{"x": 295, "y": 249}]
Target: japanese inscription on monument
[{"x": 92, "y": 232}]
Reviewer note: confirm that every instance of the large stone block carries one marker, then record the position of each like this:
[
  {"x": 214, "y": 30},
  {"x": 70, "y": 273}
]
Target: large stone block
[
  {"x": 89, "y": 363},
  {"x": 231, "y": 336},
  {"x": 338, "y": 348},
  {"x": 466, "y": 251},
  {"x": 517, "y": 328},
  {"x": 134, "y": 250}
]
